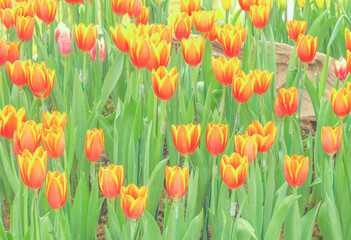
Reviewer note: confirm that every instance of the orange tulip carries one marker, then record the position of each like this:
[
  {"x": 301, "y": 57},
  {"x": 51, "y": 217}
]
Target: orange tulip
[
  {"x": 94, "y": 144},
  {"x": 85, "y": 36},
  {"x": 56, "y": 189},
  {"x": 232, "y": 41},
  {"x": 182, "y": 26},
  {"x": 259, "y": 15},
  {"x": 348, "y": 60},
  {"x": 3, "y": 51},
  {"x": 242, "y": 87},
  {"x": 25, "y": 28},
  {"x": 246, "y": 145},
  {"x": 224, "y": 69},
  {"x": 176, "y": 181},
  {"x": 133, "y": 200},
  {"x": 75, "y": 1},
  {"x": 54, "y": 119},
  {"x": 54, "y": 141},
  {"x": 9, "y": 119},
  {"x": 119, "y": 6},
  {"x": 164, "y": 82},
  {"x": 40, "y": 79},
  {"x": 159, "y": 55},
  {"x": 340, "y": 69},
  {"x": 203, "y": 20},
  {"x": 190, "y": 6},
  {"x": 186, "y": 138},
  {"x": 331, "y": 139},
  {"x": 140, "y": 52},
  {"x": 134, "y": 8},
  {"x": 5, "y": 4},
  {"x": 261, "y": 81},
  {"x": 143, "y": 17},
  {"x": 17, "y": 72},
  {"x": 306, "y": 48},
  {"x": 13, "y": 51},
  {"x": 121, "y": 37},
  {"x": 27, "y": 136},
  {"x": 8, "y": 17},
  {"x": 216, "y": 138},
  {"x": 340, "y": 101},
  {"x": 295, "y": 28},
  {"x": 160, "y": 32},
  {"x": 27, "y": 9},
  {"x": 46, "y": 10},
  {"x": 234, "y": 170},
  {"x": 287, "y": 102},
  {"x": 193, "y": 50},
  {"x": 246, "y": 4},
  {"x": 348, "y": 39},
  {"x": 111, "y": 180},
  {"x": 33, "y": 167},
  {"x": 264, "y": 136},
  {"x": 296, "y": 170},
  {"x": 214, "y": 32}
]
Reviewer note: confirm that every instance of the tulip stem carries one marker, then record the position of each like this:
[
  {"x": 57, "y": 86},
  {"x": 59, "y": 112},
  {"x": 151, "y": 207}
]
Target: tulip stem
[
  {"x": 83, "y": 72},
  {"x": 155, "y": 122},
  {"x": 290, "y": 133},
  {"x": 186, "y": 161},
  {"x": 25, "y": 209},
  {"x": 133, "y": 228},
  {"x": 213, "y": 183},
  {"x": 57, "y": 220},
  {"x": 12, "y": 160},
  {"x": 227, "y": 16},
  {"x": 237, "y": 118},
  {"x": 42, "y": 104},
  {"x": 128, "y": 69},
  {"x": 194, "y": 92},
  {"x": 37, "y": 215},
  {"x": 176, "y": 207},
  {"x": 92, "y": 173},
  {"x": 332, "y": 173},
  {"x": 304, "y": 75},
  {"x": 232, "y": 211},
  {"x": 221, "y": 119},
  {"x": 141, "y": 89}
]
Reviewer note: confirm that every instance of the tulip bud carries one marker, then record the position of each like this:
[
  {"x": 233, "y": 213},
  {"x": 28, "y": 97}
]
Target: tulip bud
[
  {"x": 340, "y": 69},
  {"x": 102, "y": 50},
  {"x": 216, "y": 138},
  {"x": 246, "y": 145},
  {"x": 164, "y": 83},
  {"x": 234, "y": 170},
  {"x": 295, "y": 28},
  {"x": 264, "y": 136},
  {"x": 3, "y": 52},
  {"x": 54, "y": 141},
  {"x": 306, "y": 48},
  {"x": 94, "y": 144},
  {"x": 54, "y": 119},
  {"x": 27, "y": 136},
  {"x": 242, "y": 87},
  {"x": 46, "y": 10},
  {"x": 286, "y": 102},
  {"x": 85, "y": 36},
  {"x": 296, "y": 170},
  {"x": 190, "y": 6},
  {"x": 186, "y": 138},
  {"x": 9, "y": 119},
  {"x": 193, "y": 50},
  {"x": 224, "y": 69},
  {"x": 111, "y": 180},
  {"x": 133, "y": 200},
  {"x": 25, "y": 28},
  {"x": 176, "y": 181},
  {"x": 17, "y": 72},
  {"x": 13, "y": 51},
  {"x": 331, "y": 139},
  {"x": 56, "y": 189},
  {"x": 340, "y": 101}
]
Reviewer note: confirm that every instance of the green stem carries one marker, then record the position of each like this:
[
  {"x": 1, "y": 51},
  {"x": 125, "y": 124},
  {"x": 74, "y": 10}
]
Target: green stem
[
  {"x": 133, "y": 228},
  {"x": 164, "y": 116},
  {"x": 290, "y": 133},
  {"x": 194, "y": 92},
  {"x": 25, "y": 209},
  {"x": 176, "y": 207},
  {"x": 221, "y": 119},
  {"x": 128, "y": 70},
  {"x": 65, "y": 82},
  {"x": 57, "y": 220},
  {"x": 237, "y": 118},
  {"x": 12, "y": 160},
  {"x": 84, "y": 72},
  {"x": 141, "y": 89},
  {"x": 232, "y": 211},
  {"x": 186, "y": 162},
  {"x": 42, "y": 104},
  {"x": 227, "y": 16},
  {"x": 37, "y": 216},
  {"x": 301, "y": 90},
  {"x": 332, "y": 173},
  {"x": 155, "y": 122},
  {"x": 213, "y": 183},
  {"x": 92, "y": 173}
]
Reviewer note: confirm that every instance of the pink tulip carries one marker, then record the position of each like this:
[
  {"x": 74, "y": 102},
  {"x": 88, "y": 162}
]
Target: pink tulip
[
  {"x": 102, "y": 50},
  {"x": 340, "y": 69},
  {"x": 64, "y": 42}
]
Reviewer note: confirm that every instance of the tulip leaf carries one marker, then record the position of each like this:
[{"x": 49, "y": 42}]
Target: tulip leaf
[
  {"x": 307, "y": 223},
  {"x": 150, "y": 227},
  {"x": 195, "y": 227},
  {"x": 328, "y": 221},
  {"x": 313, "y": 95}
]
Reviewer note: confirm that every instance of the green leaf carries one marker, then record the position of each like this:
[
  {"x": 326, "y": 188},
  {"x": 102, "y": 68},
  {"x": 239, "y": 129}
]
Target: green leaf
[
  {"x": 328, "y": 221},
  {"x": 307, "y": 223},
  {"x": 150, "y": 227},
  {"x": 195, "y": 226}
]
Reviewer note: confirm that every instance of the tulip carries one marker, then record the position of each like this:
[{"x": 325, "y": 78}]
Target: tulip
[
  {"x": 102, "y": 50},
  {"x": 231, "y": 41},
  {"x": 281, "y": 4},
  {"x": 193, "y": 50},
  {"x": 54, "y": 141},
  {"x": 203, "y": 20},
  {"x": 348, "y": 60},
  {"x": 3, "y": 51},
  {"x": 264, "y": 136},
  {"x": 94, "y": 144},
  {"x": 224, "y": 69},
  {"x": 246, "y": 145},
  {"x": 56, "y": 189},
  {"x": 13, "y": 51},
  {"x": 85, "y": 36},
  {"x": 261, "y": 81},
  {"x": 119, "y": 6},
  {"x": 33, "y": 167},
  {"x": 159, "y": 55},
  {"x": 320, "y": 3},
  {"x": 140, "y": 52},
  {"x": 75, "y": 1},
  {"x": 161, "y": 32},
  {"x": 190, "y": 6},
  {"x": 41, "y": 80},
  {"x": 295, "y": 28},
  {"x": 296, "y": 170},
  {"x": 111, "y": 180},
  {"x": 306, "y": 48},
  {"x": 259, "y": 15},
  {"x": 144, "y": 16},
  {"x": 226, "y": 4},
  {"x": 340, "y": 68},
  {"x": 216, "y": 138},
  {"x": 25, "y": 28},
  {"x": 27, "y": 136},
  {"x": 9, "y": 119},
  {"x": 54, "y": 119},
  {"x": 59, "y": 30},
  {"x": 234, "y": 170},
  {"x": 186, "y": 138},
  {"x": 164, "y": 82},
  {"x": 46, "y": 10},
  {"x": 182, "y": 26},
  {"x": 64, "y": 42},
  {"x": 301, "y": 3},
  {"x": 134, "y": 8},
  {"x": 176, "y": 181},
  {"x": 134, "y": 200},
  {"x": 8, "y": 17},
  {"x": 5, "y": 4},
  {"x": 331, "y": 139},
  {"x": 121, "y": 37},
  {"x": 348, "y": 39},
  {"x": 17, "y": 72},
  {"x": 26, "y": 8},
  {"x": 214, "y": 32},
  {"x": 340, "y": 101},
  {"x": 286, "y": 102},
  {"x": 246, "y": 4},
  {"x": 242, "y": 87}
]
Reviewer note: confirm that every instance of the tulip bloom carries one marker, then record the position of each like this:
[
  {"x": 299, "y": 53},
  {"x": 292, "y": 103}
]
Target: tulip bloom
[
  {"x": 226, "y": 4},
  {"x": 59, "y": 30},
  {"x": 9, "y": 119},
  {"x": 296, "y": 170},
  {"x": 295, "y": 28},
  {"x": 3, "y": 51},
  {"x": 348, "y": 61},
  {"x": 234, "y": 170},
  {"x": 186, "y": 138},
  {"x": 17, "y": 72},
  {"x": 121, "y": 37},
  {"x": 85, "y": 36},
  {"x": 246, "y": 145},
  {"x": 264, "y": 136},
  {"x": 94, "y": 144},
  {"x": 54, "y": 141},
  {"x": 133, "y": 200},
  {"x": 134, "y": 8},
  {"x": 203, "y": 20},
  {"x": 259, "y": 15},
  {"x": 33, "y": 167},
  {"x": 242, "y": 87},
  {"x": 140, "y": 52},
  {"x": 287, "y": 102},
  {"x": 56, "y": 189},
  {"x": 40, "y": 79},
  {"x": 159, "y": 32},
  {"x": 193, "y": 50},
  {"x": 340, "y": 69},
  {"x": 340, "y": 101},
  {"x": 111, "y": 180},
  {"x": 216, "y": 138},
  {"x": 25, "y": 28},
  {"x": 144, "y": 16},
  {"x": 8, "y": 17},
  {"x": 46, "y": 10},
  {"x": 119, "y": 6},
  {"x": 102, "y": 50},
  {"x": 190, "y": 6},
  {"x": 75, "y": 1},
  {"x": 13, "y": 51},
  {"x": 232, "y": 41},
  {"x": 182, "y": 26},
  {"x": 348, "y": 39},
  {"x": 306, "y": 48},
  {"x": 159, "y": 55},
  {"x": 176, "y": 181},
  {"x": 64, "y": 42},
  {"x": 26, "y": 8},
  {"x": 331, "y": 139},
  {"x": 27, "y": 136},
  {"x": 214, "y": 32},
  {"x": 164, "y": 83},
  {"x": 246, "y": 4},
  {"x": 54, "y": 119},
  {"x": 5, "y": 4},
  {"x": 261, "y": 81},
  {"x": 224, "y": 69}
]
